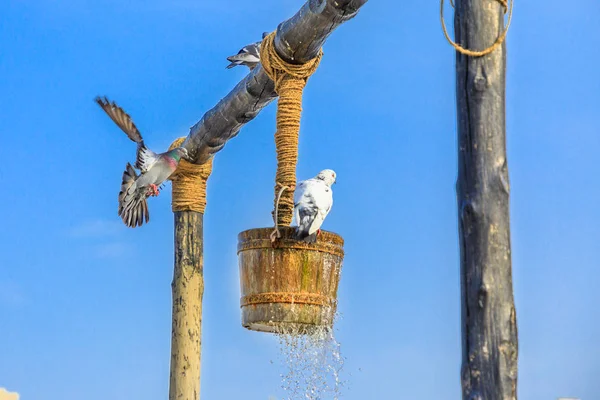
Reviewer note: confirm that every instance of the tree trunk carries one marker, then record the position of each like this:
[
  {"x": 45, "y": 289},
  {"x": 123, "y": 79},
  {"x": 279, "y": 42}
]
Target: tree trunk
[
  {"x": 188, "y": 288},
  {"x": 489, "y": 330}
]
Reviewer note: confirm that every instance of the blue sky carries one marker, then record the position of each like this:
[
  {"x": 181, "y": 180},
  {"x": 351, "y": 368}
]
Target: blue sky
[{"x": 85, "y": 302}]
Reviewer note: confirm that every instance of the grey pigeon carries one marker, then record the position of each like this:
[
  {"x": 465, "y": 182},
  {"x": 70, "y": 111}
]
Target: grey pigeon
[
  {"x": 249, "y": 55},
  {"x": 313, "y": 199},
  {"x": 155, "y": 169}
]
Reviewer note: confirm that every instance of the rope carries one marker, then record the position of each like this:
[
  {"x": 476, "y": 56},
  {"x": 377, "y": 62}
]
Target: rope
[
  {"x": 289, "y": 80},
  {"x": 189, "y": 183},
  {"x": 276, "y": 234},
  {"x": 507, "y": 8}
]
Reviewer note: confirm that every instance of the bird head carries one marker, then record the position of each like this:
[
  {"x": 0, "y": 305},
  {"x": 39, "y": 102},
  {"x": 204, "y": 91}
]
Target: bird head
[{"x": 328, "y": 176}]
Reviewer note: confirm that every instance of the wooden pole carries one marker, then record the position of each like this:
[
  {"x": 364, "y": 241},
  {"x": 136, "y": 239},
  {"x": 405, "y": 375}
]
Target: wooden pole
[
  {"x": 187, "y": 288},
  {"x": 489, "y": 329}
]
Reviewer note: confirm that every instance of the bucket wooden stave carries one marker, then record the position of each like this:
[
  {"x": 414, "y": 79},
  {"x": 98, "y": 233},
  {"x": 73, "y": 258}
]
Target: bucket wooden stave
[{"x": 288, "y": 284}]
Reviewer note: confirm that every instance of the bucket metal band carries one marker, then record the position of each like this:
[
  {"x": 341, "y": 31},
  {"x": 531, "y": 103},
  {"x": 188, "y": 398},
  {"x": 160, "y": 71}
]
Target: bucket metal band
[
  {"x": 290, "y": 298},
  {"x": 260, "y": 244}
]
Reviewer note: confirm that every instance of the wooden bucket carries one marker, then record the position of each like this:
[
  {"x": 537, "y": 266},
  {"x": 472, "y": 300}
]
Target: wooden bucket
[{"x": 288, "y": 284}]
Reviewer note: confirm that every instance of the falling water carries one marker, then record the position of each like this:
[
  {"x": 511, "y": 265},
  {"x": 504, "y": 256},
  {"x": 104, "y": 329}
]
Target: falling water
[{"x": 312, "y": 361}]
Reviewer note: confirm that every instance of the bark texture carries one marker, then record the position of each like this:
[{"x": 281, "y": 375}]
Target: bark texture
[
  {"x": 489, "y": 329},
  {"x": 298, "y": 40},
  {"x": 188, "y": 289}
]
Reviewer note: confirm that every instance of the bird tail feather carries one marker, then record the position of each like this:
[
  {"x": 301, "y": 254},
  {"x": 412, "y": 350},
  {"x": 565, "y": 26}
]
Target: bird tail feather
[{"x": 133, "y": 207}]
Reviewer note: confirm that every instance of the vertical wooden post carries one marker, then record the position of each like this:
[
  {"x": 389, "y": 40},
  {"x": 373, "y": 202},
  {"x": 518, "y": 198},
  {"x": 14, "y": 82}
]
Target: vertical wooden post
[
  {"x": 489, "y": 330},
  {"x": 188, "y": 289}
]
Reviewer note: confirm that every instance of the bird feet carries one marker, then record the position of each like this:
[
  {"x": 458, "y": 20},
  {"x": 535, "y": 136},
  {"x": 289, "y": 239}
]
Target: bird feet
[{"x": 153, "y": 190}]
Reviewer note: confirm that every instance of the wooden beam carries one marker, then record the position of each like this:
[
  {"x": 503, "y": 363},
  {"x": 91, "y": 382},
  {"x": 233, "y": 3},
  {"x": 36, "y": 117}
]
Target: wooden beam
[
  {"x": 298, "y": 40},
  {"x": 187, "y": 289},
  {"x": 489, "y": 329}
]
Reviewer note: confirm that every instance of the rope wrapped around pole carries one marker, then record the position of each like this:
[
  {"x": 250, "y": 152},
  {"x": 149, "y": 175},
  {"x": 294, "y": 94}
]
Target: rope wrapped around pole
[
  {"x": 289, "y": 80},
  {"x": 188, "y": 204},
  {"x": 189, "y": 183}
]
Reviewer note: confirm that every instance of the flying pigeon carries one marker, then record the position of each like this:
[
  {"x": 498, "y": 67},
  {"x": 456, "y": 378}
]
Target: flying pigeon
[
  {"x": 249, "y": 55},
  {"x": 155, "y": 169},
  {"x": 313, "y": 199}
]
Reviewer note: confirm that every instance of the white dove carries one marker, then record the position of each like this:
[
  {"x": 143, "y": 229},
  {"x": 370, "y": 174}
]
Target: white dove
[{"x": 313, "y": 199}]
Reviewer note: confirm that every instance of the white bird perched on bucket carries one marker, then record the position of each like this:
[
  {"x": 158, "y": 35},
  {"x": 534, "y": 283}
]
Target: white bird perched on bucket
[
  {"x": 313, "y": 199},
  {"x": 249, "y": 55}
]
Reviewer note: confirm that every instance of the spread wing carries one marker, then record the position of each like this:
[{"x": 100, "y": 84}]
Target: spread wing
[
  {"x": 145, "y": 157},
  {"x": 121, "y": 118}
]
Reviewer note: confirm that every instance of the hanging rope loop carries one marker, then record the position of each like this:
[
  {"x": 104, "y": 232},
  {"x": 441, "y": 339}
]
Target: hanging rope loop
[
  {"x": 508, "y": 8},
  {"x": 276, "y": 234},
  {"x": 290, "y": 80},
  {"x": 189, "y": 183}
]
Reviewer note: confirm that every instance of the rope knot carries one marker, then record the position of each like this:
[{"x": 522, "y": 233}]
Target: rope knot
[
  {"x": 280, "y": 70},
  {"x": 189, "y": 183},
  {"x": 290, "y": 80}
]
